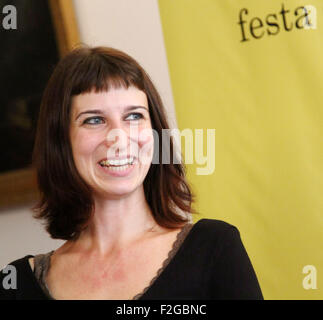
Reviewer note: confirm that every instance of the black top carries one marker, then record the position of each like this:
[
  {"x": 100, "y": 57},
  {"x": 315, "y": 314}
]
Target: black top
[{"x": 210, "y": 263}]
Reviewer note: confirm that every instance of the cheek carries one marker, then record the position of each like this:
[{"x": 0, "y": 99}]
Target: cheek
[
  {"x": 139, "y": 139},
  {"x": 146, "y": 146},
  {"x": 82, "y": 145},
  {"x": 145, "y": 138}
]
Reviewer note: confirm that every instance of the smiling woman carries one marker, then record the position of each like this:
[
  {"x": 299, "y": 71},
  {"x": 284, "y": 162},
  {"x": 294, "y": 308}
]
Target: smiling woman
[{"x": 126, "y": 219}]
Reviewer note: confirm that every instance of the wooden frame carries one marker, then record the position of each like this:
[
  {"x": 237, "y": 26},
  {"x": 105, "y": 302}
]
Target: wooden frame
[{"x": 19, "y": 187}]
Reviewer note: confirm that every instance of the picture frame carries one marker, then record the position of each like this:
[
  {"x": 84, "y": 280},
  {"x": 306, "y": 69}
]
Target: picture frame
[{"x": 19, "y": 187}]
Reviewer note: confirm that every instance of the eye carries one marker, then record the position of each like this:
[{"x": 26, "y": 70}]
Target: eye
[
  {"x": 134, "y": 116},
  {"x": 93, "y": 120}
]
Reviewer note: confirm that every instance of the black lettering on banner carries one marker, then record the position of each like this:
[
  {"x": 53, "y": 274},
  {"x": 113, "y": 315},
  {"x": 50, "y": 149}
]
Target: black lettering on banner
[
  {"x": 253, "y": 27},
  {"x": 303, "y": 18},
  {"x": 272, "y": 24}
]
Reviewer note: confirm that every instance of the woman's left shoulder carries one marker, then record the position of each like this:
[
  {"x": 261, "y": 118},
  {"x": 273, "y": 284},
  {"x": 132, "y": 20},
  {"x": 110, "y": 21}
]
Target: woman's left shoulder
[
  {"x": 215, "y": 226},
  {"x": 215, "y": 231}
]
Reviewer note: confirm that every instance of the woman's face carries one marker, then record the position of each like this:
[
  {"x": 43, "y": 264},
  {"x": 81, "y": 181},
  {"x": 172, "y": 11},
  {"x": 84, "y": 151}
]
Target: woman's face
[{"x": 112, "y": 140}]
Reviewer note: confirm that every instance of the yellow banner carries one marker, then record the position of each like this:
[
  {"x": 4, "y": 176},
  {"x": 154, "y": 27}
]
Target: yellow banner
[{"x": 253, "y": 71}]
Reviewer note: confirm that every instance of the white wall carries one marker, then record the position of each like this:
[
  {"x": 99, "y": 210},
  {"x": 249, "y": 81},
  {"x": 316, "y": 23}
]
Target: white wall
[{"x": 129, "y": 25}]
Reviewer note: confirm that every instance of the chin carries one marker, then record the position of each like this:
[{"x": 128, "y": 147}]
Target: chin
[{"x": 119, "y": 191}]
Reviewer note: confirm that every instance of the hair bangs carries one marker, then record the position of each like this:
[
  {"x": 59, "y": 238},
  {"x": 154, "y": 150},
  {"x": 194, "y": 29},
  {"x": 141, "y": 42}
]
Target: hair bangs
[{"x": 98, "y": 74}]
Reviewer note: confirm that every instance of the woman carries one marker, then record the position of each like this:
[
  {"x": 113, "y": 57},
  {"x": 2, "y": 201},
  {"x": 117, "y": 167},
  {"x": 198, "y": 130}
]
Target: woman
[{"x": 125, "y": 215}]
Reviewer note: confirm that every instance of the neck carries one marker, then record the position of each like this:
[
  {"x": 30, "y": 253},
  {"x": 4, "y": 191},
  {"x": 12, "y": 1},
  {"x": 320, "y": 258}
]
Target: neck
[{"x": 117, "y": 223}]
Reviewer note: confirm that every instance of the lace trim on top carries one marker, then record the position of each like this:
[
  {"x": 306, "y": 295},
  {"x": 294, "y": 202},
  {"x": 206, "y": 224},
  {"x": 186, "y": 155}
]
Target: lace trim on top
[{"x": 42, "y": 264}]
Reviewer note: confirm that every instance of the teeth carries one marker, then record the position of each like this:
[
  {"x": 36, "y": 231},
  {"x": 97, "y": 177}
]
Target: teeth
[
  {"x": 121, "y": 162},
  {"x": 119, "y": 168}
]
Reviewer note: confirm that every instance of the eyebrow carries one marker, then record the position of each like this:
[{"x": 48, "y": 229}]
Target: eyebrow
[{"x": 98, "y": 111}]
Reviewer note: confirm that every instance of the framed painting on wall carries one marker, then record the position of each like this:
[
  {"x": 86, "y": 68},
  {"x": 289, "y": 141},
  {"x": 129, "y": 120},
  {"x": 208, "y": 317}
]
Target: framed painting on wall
[{"x": 44, "y": 32}]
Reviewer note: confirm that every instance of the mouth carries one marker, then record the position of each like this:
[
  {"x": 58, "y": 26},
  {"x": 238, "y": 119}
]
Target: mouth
[{"x": 117, "y": 164}]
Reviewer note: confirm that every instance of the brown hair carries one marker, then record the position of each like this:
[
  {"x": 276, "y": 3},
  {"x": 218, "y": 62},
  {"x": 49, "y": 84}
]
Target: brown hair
[{"x": 66, "y": 202}]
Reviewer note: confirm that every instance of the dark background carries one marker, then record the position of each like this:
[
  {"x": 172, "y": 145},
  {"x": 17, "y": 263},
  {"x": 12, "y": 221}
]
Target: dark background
[{"x": 27, "y": 58}]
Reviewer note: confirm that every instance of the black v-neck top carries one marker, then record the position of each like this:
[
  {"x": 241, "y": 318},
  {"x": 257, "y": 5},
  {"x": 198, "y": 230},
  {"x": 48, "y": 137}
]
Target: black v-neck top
[{"x": 210, "y": 262}]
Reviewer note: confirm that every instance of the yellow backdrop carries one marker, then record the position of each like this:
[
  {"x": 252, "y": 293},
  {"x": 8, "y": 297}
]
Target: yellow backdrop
[{"x": 253, "y": 71}]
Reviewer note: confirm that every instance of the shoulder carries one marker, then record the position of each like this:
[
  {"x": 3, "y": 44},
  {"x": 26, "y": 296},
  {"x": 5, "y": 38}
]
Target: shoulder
[
  {"x": 20, "y": 263},
  {"x": 211, "y": 236},
  {"x": 214, "y": 224},
  {"x": 215, "y": 229}
]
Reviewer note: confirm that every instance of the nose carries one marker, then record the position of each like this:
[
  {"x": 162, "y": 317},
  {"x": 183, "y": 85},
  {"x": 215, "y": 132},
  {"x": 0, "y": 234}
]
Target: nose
[{"x": 117, "y": 139}]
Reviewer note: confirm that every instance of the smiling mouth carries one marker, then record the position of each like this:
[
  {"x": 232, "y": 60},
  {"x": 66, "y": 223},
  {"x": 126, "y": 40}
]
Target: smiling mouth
[{"x": 117, "y": 163}]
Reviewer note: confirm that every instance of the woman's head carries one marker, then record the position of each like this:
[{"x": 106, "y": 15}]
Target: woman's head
[
  {"x": 112, "y": 141},
  {"x": 68, "y": 166}
]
